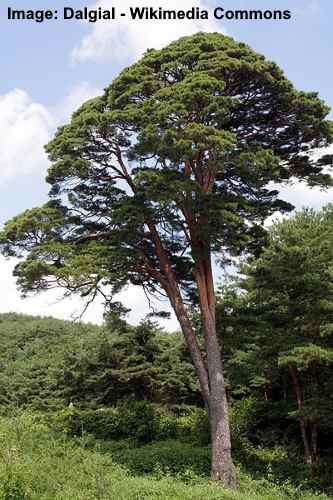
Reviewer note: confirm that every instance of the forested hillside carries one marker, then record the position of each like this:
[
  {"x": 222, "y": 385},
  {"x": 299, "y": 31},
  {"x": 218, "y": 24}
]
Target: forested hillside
[{"x": 48, "y": 363}]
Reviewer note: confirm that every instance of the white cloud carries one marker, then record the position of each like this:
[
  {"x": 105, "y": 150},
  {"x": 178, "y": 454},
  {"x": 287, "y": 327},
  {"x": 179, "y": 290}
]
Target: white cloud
[
  {"x": 128, "y": 38},
  {"x": 24, "y": 129},
  {"x": 45, "y": 304},
  {"x": 301, "y": 195},
  {"x": 26, "y": 126}
]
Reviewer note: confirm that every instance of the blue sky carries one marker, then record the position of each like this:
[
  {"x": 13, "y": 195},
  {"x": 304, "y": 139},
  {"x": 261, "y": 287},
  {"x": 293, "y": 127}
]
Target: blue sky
[{"x": 50, "y": 68}]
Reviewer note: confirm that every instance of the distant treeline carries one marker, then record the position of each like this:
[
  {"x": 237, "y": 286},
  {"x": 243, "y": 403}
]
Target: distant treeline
[{"x": 47, "y": 364}]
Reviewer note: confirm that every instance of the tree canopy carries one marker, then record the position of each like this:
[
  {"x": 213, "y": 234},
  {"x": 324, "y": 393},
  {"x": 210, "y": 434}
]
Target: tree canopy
[{"x": 185, "y": 142}]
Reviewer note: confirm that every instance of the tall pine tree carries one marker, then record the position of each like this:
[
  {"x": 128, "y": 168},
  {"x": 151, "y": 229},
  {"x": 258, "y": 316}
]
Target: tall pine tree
[{"x": 169, "y": 168}]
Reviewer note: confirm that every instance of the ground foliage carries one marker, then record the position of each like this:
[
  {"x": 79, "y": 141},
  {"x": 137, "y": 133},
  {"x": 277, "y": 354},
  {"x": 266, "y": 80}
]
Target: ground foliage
[{"x": 37, "y": 463}]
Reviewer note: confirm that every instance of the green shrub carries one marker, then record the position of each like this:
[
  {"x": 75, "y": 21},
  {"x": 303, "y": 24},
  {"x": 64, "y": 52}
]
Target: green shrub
[
  {"x": 103, "y": 423},
  {"x": 187, "y": 423},
  {"x": 139, "y": 420},
  {"x": 194, "y": 426},
  {"x": 262, "y": 422},
  {"x": 135, "y": 419},
  {"x": 167, "y": 427}
]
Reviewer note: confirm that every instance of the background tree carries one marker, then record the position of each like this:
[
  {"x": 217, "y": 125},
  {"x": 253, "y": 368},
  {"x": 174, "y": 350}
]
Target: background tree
[
  {"x": 168, "y": 168},
  {"x": 140, "y": 363},
  {"x": 289, "y": 345}
]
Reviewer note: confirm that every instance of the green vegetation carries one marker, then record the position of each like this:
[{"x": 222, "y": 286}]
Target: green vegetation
[
  {"x": 279, "y": 323},
  {"x": 125, "y": 400},
  {"x": 121, "y": 405},
  {"x": 47, "y": 364},
  {"x": 37, "y": 463}
]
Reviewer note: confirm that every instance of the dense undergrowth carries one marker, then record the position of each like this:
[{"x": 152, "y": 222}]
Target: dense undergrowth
[
  {"x": 90, "y": 412},
  {"x": 40, "y": 463},
  {"x": 187, "y": 426}
]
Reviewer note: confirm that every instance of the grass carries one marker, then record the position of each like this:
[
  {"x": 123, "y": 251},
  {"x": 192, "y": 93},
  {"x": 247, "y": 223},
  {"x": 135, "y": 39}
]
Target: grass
[{"x": 39, "y": 464}]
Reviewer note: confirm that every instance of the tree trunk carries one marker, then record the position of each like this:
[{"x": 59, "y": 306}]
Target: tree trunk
[
  {"x": 211, "y": 378},
  {"x": 192, "y": 344},
  {"x": 302, "y": 421},
  {"x": 214, "y": 395},
  {"x": 222, "y": 465}
]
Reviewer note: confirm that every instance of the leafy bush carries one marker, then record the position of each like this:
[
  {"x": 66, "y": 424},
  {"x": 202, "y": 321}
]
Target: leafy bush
[
  {"x": 271, "y": 459},
  {"x": 138, "y": 420}
]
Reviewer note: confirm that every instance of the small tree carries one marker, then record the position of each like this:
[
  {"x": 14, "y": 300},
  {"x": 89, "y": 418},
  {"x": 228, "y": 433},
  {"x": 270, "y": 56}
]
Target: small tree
[{"x": 168, "y": 168}]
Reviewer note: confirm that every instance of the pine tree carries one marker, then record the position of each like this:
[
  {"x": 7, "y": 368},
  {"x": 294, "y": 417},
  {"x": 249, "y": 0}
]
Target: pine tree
[
  {"x": 169, "y": 168},
  {"x": 289, "y": 288}
]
